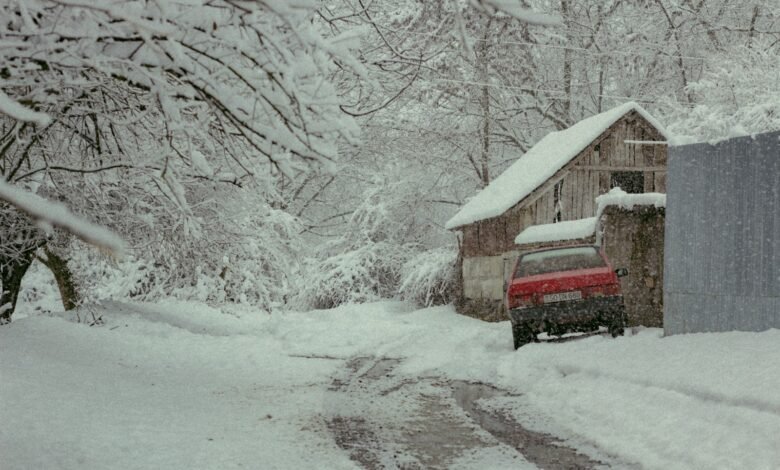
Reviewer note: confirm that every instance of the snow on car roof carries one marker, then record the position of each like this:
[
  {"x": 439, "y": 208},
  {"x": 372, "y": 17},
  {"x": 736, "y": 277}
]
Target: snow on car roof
[{"x": 540, "y": 163}]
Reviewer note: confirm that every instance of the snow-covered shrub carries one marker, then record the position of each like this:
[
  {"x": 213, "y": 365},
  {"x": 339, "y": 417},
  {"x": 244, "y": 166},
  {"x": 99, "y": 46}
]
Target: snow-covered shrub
[
  {"x": 100, "y": 276},
  {"x": 429, "y": 277},
  {"x": 233, "y": 248},
  {"x": 363, "y": 274},
  {"x": 736, "y": 95},
  {"x": 364, "y": 263},
  {"x": 259, "y": 269}
]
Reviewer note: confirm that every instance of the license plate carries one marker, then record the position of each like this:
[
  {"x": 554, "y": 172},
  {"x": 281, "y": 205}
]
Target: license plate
[{"x": 562, "y": 296}]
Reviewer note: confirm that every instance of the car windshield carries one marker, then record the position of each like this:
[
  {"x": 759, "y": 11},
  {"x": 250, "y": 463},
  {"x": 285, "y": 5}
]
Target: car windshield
[{"x": 564, "y": 259}]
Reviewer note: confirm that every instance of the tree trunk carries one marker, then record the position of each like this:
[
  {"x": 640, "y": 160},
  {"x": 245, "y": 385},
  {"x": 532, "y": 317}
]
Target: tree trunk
[
  {"x": 567, "y": 60},
  {"x": 674, "y": 31},
  {"x": 12, "y": 272},
  {"x": 483, "y": 60},
  {"x": 71, "y": 297}
]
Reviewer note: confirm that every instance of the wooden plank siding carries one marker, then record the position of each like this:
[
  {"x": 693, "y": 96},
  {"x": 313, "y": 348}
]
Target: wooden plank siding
[{"x": 586, "y": 176}]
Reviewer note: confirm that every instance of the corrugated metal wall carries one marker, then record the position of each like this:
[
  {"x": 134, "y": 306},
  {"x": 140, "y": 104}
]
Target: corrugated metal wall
[{"x": 722, "y": 242}]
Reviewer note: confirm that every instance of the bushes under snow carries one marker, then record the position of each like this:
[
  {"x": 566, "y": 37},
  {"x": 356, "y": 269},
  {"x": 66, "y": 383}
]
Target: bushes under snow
[
  {"x": 251, "y": 261},
  {"x": 429, "y": 277},
  {"x": 380, "y": 271},
  {"x": 362, "y": 274},
  {"x": 735, "y": 95},
  {"x": 377, "y": 256},
  {"x": 248, "y": 252}
]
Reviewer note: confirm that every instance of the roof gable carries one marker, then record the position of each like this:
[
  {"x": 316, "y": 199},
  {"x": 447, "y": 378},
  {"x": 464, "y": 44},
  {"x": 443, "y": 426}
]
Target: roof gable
[{"x": 540, "y": 163}]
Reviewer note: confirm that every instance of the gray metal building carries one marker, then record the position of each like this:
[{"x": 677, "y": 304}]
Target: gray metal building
[{"x": 722, "y": 242}]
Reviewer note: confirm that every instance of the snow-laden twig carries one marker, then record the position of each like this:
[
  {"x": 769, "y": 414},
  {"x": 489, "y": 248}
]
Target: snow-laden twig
[
  {"x": 56, "y": 214},
  {"x": 515, "y": 9},
  {"x": 11, "y": 108}
]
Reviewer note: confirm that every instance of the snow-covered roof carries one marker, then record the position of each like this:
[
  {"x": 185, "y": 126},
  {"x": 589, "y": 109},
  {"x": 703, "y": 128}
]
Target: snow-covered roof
[
  {"x": 540, "y": 163},
  {"x": 618, "y": 197},
  {"x": 568, "y": 230},
  {"x": 584, "y": 228}
]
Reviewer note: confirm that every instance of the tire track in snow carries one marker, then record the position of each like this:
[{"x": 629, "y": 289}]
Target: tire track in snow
[{"x": 384, "y": 420}]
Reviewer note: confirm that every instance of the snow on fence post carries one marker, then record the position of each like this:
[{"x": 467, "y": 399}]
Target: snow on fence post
[{"x": 722, "y": 242}]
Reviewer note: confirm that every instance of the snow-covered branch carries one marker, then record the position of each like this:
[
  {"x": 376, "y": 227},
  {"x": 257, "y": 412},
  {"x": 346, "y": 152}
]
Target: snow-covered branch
[
  {"x": 14, "y": 110},
  {"x": 517, "y": 10},
  {"x": 254, "y": 71},
  {"x": 49, "y": 213}
]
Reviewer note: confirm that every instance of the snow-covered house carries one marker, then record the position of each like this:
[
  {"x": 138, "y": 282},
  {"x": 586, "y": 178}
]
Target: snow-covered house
[{"x": 557, "y": 180}]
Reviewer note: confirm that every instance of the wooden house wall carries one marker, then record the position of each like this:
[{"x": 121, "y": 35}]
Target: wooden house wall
[{"x": 585, "y": 177}]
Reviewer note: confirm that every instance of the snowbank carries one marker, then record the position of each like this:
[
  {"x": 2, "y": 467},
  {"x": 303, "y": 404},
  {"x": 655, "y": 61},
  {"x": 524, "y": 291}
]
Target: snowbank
[
  {"x": 192, "y": 388},
  {"x": 184, "y": 386}
]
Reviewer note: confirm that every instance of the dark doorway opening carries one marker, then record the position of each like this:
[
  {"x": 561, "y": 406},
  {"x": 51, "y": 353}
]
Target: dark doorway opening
[{"x": 632, "y": 182}]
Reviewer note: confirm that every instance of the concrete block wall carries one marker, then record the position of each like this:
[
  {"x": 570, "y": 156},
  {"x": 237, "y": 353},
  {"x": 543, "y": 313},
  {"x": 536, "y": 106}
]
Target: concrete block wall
[
  {"x": 483, "y": 277},
  {"x": 634, "y": 239}
]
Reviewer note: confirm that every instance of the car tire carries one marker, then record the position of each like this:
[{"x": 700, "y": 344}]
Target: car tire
[
  {"x": 522, "y": 334},
  {"x": 618, "y": 327}
]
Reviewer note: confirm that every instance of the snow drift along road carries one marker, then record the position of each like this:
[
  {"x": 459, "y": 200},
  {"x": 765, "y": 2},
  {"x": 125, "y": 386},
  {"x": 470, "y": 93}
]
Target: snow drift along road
[{"x": 177, "y": 385}]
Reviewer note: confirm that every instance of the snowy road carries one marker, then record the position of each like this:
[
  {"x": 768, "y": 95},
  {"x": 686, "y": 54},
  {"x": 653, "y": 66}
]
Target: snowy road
[
  {"x": 186, "y": 386},
  {"x": 386, "y": 420}
]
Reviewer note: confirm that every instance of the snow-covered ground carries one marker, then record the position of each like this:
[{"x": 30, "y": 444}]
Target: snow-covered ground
[{"x": 177, "y": 385}]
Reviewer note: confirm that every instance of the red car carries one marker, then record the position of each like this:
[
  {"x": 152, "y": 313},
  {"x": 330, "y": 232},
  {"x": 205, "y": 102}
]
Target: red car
[{"x": 562, "y": 290}]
